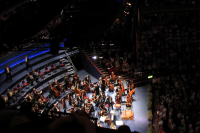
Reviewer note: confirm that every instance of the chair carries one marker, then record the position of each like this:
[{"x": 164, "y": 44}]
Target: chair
[
  {"x": 24, "y": 84},
  {"x": 53, "y": 67},
  {"x": 41, "y": 74},
  {"x": 15, "y": 90},
  {"x": 61, "y": 64},
  {"x": 47, "y": 70},
  {"x": 19, "y": 87}
]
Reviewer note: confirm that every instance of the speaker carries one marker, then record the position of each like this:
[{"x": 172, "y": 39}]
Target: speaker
[{"x": 54, "y": 46}]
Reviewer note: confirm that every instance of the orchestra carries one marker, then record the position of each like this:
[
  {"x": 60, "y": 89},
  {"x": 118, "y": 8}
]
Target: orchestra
[{"x": 73, "y": 95}]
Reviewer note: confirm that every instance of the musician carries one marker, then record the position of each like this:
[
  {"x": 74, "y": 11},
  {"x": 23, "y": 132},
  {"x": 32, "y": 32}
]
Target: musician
[
  {"x": 96, "y": 90},
  {"x": 113, "y": 77},
  {"x": 29, "y": 98},
  {"x": 51, "y": 92},
  {"x": 36, "y": 109},
  {"x": 27, "y": 60},
  {"x": 103, "y": 109},
  {"x": 75, "y": 78},
  {"x": 79, "y": 100},
  {"x": 110, "y": 102},
  {"x": 102, "y": 97},
  {"x": 35, "y": 95},
  {"x": 87, "y": 79},
  {"x": 118, "y": 99},
  {"x": 56, "y": 108},
  {"x": 129, "y": 100},
  {"x": 29, "y": 79},
  {"x": 8, "y": 72},
  {"x": 113, "y": 117},
  {"x": 66, "y": 81},
  {"x": 10, "y": 96},
  {"x": 35, "y": 76},
  {"x": 111, "y": 87},
  {"x": 122, "y": 88},
  {"x": 130, "y": 86},
  {"x": 103, "y": 86}
]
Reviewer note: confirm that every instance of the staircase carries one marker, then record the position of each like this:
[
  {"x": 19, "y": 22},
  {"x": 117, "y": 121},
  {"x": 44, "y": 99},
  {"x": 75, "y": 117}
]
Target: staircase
[
  {"x": 138, "y": 81},
  {"x": 104, "y": 71}
]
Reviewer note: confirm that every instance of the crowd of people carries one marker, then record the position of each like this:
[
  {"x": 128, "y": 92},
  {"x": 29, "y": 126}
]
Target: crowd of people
[
  {"x": 152, "y": 3},
  {"x": 178, "y": 102},
  {"x": 169, "y": 45}
]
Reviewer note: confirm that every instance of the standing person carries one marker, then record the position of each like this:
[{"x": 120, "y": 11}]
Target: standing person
[
  {"x": 27, "y": 60},
  {"x": 96, "y": 89},
  {"x": 8, "y": 73}
]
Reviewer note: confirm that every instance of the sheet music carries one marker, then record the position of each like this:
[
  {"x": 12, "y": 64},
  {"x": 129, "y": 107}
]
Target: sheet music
[
  {"x": 102, "y": 119},
  {"x": 119, "y": 123}
]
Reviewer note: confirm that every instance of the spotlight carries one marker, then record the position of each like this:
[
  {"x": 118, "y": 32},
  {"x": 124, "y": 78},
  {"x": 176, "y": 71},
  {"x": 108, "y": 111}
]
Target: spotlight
[
  {"x": 94, "y": 57},
  {"x": 111, "y": 43}
]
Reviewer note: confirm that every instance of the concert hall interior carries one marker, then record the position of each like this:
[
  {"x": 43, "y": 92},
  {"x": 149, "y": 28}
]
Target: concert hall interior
[{"x": 92, "y": 66}]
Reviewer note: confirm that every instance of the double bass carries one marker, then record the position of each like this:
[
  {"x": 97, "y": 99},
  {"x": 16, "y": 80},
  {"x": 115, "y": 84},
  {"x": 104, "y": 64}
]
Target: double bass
[
  {"x": 57, "y": 93},
  {"x": 128, "y": 100}
]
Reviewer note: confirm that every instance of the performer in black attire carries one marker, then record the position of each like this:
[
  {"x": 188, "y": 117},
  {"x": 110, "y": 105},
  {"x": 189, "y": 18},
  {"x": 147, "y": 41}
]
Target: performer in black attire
[
  {"x": 27, "y": 60},
  {"x": 113, "y": 118},
  {"x": 66, "y": 81},
  {"x": 35, "y": 76},
  {"x": 87, "y": 79},
  {"x": 110, "y": 102},
  {"x": 29, "y": 79},
  {"x": 8, "y": 72},
  {"x": 96, "y": 89}
]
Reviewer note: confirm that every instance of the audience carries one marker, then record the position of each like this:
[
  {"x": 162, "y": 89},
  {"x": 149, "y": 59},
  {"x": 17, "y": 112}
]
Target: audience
[{"x": 178, "y": 102}]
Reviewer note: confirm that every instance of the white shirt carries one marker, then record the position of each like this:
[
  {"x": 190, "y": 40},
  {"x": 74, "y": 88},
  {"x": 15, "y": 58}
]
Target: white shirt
[
  {"x": 112, "y": 117},
  {"x": 26, "y": 59}
]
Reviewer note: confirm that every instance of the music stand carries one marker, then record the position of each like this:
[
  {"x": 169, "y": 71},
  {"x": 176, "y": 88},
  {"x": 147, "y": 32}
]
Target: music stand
[
  {"x": 119, "y": 123},
  {"x": 103, "y": 120}
]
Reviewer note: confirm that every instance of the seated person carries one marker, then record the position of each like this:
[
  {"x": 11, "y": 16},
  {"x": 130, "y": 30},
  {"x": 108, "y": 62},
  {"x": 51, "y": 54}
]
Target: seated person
[
  {"x": 29, "y": 79},
  {"x": 41, "y": 104},
  {"x": 35, "y": 76}
]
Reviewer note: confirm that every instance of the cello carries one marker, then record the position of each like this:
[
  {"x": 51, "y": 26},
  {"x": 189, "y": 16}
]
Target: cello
[
  {"x": 87, "y": 88},
  {"x": 57, "y": 93},
  {"x": 111, "y": 87}
]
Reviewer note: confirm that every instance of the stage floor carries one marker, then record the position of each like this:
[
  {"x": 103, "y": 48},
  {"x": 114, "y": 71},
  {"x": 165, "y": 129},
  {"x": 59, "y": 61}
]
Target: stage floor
[{"x": 139, "y": 106}]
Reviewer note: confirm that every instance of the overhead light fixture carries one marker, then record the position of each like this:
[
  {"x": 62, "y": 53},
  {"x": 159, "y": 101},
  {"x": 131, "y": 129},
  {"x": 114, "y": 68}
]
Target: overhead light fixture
[
  {"x": 94, "y": 57},
  {"x": 111, "y": 43}
]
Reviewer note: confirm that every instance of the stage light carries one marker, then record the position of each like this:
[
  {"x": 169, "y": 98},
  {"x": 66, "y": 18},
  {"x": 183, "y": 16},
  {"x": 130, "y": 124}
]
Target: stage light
[
  {"x": 94, "y": 57},
  {"x": 111, "y": 43},
  {"x": 150, "y": 76}
]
